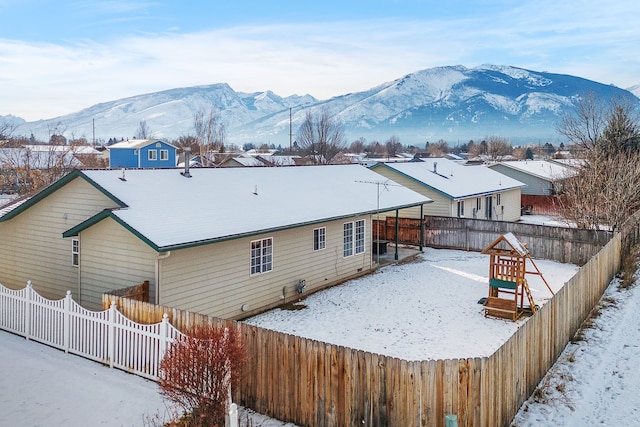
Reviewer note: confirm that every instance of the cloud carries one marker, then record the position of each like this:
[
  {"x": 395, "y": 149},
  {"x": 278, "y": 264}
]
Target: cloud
[{"x": 323, "y": 59}]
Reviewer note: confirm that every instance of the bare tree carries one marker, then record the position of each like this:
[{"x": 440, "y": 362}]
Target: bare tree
[
  {"x": 321, "y": 137},
  {"x": 498, "y": 148},
  {"x": 144, "y": 131},
  {"x": 437, "y": 149},
  {"x": 211, "y": 134},
  {"x": 358, "y": 145},
  {"x": 584, "y": 125},
  {"x": 606, "y": 189},
  {"x": 393, "y": 146},
  {"x": 6, "y": 130}
]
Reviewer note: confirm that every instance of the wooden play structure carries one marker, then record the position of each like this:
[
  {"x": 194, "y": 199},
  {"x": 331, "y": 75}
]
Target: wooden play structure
[{"x": 507, "y": 282}]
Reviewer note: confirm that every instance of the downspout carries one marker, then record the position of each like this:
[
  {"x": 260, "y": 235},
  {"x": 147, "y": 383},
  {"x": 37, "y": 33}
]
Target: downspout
[
  {"x": 397, "y": 231},
  {"x": 159, "y": 258},
  {"x": 421, "y": 227}
]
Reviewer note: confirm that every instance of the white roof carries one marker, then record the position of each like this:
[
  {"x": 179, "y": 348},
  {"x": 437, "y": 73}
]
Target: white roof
[
  {"x": 135, "y": 143},
  {"x": 249, "y": 161},
  {"x": 550, "y": 171},
  {"x": 169, "y": 209},
  {"x": 6, "y": 204},
  {"x": 455, "y": 180}
]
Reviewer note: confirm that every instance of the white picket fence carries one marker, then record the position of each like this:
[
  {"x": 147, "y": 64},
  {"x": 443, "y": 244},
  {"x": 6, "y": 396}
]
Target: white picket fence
[{"x": 105, "y": 336}]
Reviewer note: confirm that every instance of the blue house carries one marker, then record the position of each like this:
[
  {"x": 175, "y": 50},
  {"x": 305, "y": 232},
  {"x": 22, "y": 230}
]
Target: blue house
[{"x": 142, "y": 153}]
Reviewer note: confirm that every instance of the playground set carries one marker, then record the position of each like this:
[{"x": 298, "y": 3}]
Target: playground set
[{"x": 507, "y": 279}]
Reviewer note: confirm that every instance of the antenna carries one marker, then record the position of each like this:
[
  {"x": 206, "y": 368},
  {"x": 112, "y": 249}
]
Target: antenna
[
  {"x": 385, "y": 185},
  {"x": 290, "y": 132}
]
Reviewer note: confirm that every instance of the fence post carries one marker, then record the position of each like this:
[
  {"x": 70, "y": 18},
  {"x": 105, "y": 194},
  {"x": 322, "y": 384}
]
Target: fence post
[
  {"x": 27, "y": 310},
  {"x": 66, "y": 323},
  {"x": 111, "y": 347},
  {"x": 164, "y": 336},
  {"x": 233, "y": 415}
]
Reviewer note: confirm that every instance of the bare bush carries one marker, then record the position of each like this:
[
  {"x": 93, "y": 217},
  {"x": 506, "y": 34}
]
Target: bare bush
[{"x": 198, "y": 371}]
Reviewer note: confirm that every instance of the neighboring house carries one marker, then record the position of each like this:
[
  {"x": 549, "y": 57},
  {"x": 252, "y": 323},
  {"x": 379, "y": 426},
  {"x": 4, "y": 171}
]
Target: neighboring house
[
  {"x": 457, "y": 190},
  {"x": 244, "y": 161},
  {"x": 227, "y": 242},
  {"x": 543, "y": 178},
  {"x": 142, "y": 153}
]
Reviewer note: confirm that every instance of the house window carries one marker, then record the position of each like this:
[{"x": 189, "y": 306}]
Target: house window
[
  {"x": 360, "y": 236},
  {"x": 347, "y": 242},
  {"x": 152, "y": 155},
  {"x": 319, "y": 238},
  {"x": 353, "y": 238},
  {"x": 460, "y": 208},
  {"x": 478, "y": 204},
  {"x": 75, "y": 252},
  {"x": 261, "y": 255},
  {"x": 498, "y": 199},
  {"x": 164, "y": 154}
]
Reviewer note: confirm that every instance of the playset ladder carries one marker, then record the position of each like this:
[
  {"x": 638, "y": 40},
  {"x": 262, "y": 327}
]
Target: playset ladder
[{"x": 532, "y": 303}]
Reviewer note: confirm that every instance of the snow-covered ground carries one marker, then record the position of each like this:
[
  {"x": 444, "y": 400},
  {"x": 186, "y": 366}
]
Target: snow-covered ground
[
  {"x": 426, "y": 309},
  {"x": 41, "y": 386},
  {"x": 596, "y": 380}
]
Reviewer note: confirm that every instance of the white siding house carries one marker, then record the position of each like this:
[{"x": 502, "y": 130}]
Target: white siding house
[
  {"x": 227, "y": 242},
  {"x": 457, "y": 190}
]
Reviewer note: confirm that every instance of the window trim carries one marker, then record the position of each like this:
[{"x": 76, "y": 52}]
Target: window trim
[
  {"x": 360, "y": 236},
  {"x": 152, "y": 155},
  {"x": 347, "y": 239},
  {"x": 354, "y": 238},
  {"x": 164, "y": 155},
  {"x": 319, "y": 238},
  {"x": 261, "y": 261},
  {"x": 460, "y": 208},
  {"x": 75, "y": 252}
]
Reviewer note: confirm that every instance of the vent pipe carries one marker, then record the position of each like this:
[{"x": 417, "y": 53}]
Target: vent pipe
[
  {"x": 435, "y": 167},
  {"x": 187, "y": 159}
]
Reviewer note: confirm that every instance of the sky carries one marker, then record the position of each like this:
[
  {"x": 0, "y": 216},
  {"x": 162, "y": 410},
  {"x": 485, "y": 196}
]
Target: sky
[{"x": 58, "y": 57}]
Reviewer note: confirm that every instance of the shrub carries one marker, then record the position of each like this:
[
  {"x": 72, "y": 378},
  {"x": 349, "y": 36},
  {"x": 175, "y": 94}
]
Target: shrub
[{"x": 199, "y": 369}]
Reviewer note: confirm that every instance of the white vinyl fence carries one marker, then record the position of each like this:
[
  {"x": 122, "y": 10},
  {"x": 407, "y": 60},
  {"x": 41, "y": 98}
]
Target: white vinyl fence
[{"x": 105, "y": 336}]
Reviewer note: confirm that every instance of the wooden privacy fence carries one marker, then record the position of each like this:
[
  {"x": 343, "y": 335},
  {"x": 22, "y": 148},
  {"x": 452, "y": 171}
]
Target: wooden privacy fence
[
  {"x": 106, "y": 336},
  {"x": 311, "y": 383},
  {"x": 562, "y": 244}
]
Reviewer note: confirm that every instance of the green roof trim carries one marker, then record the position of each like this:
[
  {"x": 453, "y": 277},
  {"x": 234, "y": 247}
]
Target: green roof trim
[
  {"x": 76, "y": 173},
  {"x": 108, "y": 213},
  {"x": 409, "y": 177}
]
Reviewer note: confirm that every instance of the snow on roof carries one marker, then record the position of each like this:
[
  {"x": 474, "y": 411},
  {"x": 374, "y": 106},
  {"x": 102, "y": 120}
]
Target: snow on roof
[
  {"x": 248, "y": 161},
  {"x": 220, "y": 203},
  {"x": 136, "y": 143},
  {"x": 550, "y": 171},
  {"x": 75, "y": 149},
  {"x": 13, "y": 204},
  {"x": 456, "y": 180}
]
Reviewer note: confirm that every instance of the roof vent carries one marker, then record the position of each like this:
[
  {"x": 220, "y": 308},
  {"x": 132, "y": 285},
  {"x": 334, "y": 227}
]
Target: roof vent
[
  {"x": 122, "y": 178},
  {"x": 255, "y": 190},
  {"x": 435, "y": 167}
]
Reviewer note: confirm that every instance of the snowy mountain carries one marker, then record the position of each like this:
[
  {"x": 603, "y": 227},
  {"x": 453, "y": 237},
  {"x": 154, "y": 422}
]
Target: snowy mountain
[{"x": 452, "y": 103}]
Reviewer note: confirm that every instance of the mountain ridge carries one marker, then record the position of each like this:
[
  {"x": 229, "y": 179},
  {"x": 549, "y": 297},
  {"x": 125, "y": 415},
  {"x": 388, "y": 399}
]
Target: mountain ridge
[{"x": 449, "y": 102}]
